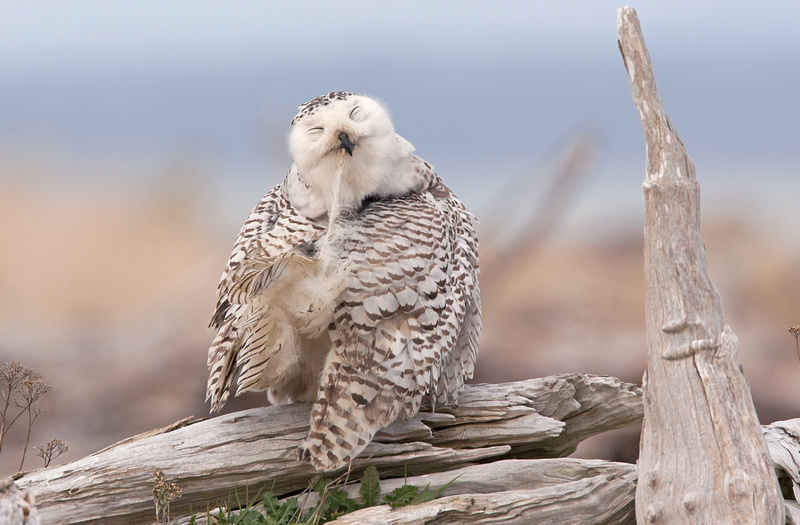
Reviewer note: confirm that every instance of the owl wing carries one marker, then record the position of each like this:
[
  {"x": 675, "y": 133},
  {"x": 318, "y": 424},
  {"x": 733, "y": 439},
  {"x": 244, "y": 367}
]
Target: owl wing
[
  {"x": 408, "y": 324},
  {"x": 265, "y": 246}
]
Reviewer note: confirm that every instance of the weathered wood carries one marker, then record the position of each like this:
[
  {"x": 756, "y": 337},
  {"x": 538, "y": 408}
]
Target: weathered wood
[
  {"x": 702, "y": 457},
  {"x": 256, "y": 448},
  {"x": 609, "y": 503},
  {"x": 792, "y": 512},
  {"x": 783, "y": 444},
  {"x": 612, "y": 501},
  {"x": 532, "y": 480},
  {"x": 585, "y": 405},
  {"x": 518, "y": 491}
]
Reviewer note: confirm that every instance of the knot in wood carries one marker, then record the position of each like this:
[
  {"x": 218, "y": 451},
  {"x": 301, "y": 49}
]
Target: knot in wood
[
  {"x": 653, "y": 479},
  {"x": 652, "y": 514},
  {"x": 691, "y": 348},
  {"x": 692, "y": 324},
  {"x": 690, "y": 502},
  {"x": 674, "y": 326},
  {"x": 739, "y": 486}
]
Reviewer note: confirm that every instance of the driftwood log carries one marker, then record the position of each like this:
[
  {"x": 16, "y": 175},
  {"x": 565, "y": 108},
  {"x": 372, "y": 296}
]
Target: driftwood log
[
  {"x": 556, "y": 490},
  {"x": 511, "y": 491},
  {"x": 256, "y": 449},
  {"x": 783, "y": 444},
  {"x": 702, "y": 457},
  {"x": 542, "y": 491}
]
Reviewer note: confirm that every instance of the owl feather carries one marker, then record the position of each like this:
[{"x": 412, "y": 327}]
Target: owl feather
[{"x": 352, "y": 285}]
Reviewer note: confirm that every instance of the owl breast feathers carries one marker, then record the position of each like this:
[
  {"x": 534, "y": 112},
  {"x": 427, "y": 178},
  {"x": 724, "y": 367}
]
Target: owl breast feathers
[{"x": 352, "y": 285}]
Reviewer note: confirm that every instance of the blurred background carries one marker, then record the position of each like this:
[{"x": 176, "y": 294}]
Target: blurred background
[{"x": 135, "y": 137}]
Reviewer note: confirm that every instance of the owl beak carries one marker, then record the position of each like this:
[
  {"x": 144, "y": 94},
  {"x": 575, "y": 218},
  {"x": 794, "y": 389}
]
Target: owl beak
[{"x": 345, "y": 143}]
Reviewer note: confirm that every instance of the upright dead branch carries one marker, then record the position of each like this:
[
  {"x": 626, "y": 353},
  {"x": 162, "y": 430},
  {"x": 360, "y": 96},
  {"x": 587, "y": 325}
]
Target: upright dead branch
[{"x": 703, "y": 457}]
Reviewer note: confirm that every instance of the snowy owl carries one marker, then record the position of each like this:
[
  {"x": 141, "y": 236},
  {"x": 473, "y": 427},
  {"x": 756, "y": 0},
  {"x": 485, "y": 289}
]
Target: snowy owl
[{"x": 353, "y": 284}]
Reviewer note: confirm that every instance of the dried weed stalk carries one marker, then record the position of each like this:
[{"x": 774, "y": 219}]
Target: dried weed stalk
[
  {"x": 21, "y": 387},
  {"x": 51, "y": 450},
  {"x": 164, "y": 492}
]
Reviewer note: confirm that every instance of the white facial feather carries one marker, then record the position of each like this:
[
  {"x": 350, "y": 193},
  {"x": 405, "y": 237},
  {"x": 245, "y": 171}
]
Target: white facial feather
[{"x": 378, "y": 165}]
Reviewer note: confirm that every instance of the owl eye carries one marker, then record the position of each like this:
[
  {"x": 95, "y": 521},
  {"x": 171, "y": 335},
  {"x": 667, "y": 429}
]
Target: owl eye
[
  {"x": 314, "y": 131},
  {"x": 354, "y": 112}
]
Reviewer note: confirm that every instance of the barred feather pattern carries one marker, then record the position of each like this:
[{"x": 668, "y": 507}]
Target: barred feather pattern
[
  {"x": 249, "y": 332},
  {"x": 404, "y": 327},
  {"x": 408, "y": 323}
]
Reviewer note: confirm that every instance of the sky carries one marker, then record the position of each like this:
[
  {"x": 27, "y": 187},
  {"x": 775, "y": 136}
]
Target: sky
[
  {"x": 123, "y": 34},
  {"x": 484, "y": 90}
]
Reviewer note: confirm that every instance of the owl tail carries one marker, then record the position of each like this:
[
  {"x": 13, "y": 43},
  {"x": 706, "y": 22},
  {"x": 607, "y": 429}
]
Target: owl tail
[
  {"x": 354, "y": 401},
  {"x": 339, "y": 432}
]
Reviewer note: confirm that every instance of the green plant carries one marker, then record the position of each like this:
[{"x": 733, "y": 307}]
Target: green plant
[
  {"x": 333, "y": 503},
  {"x": 411, "y": 494}
]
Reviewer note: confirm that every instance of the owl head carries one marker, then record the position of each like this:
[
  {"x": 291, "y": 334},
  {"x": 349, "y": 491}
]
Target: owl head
[{"x": 354, "y": 134}]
